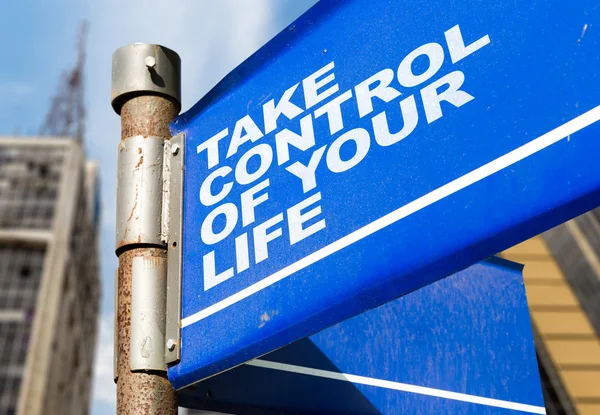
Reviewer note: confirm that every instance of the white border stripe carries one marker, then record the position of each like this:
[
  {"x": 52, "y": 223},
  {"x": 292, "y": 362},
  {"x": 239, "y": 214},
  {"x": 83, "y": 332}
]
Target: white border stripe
[
  {"x": 436, "y": 195},
  {"x": 403, "y": 387}
]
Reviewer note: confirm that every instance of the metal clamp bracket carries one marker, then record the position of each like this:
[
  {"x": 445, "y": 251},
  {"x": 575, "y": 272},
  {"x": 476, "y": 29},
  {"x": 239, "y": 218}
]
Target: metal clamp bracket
[
  {"x": 139, "y": 182},
  {"x": 172, "y": 228},
  {"x": 148, "y": 309}
]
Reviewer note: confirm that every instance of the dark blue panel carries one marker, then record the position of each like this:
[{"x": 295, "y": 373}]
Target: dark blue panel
[
  {"x": 468, "y": 333},
  {"x": 512, "y": 154}
]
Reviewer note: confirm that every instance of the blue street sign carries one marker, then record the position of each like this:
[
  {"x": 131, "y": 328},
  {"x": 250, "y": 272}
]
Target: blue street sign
[
  {"x": 462, "y": 345},
  {"x": 372, "y": 148}
]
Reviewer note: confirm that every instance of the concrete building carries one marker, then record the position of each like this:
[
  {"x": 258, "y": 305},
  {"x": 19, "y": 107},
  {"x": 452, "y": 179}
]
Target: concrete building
[{"x": 49, "y": 276}]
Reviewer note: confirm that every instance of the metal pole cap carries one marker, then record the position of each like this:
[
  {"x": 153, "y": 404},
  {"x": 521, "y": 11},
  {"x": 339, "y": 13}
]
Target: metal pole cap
[{"x": 139, "y": 68}]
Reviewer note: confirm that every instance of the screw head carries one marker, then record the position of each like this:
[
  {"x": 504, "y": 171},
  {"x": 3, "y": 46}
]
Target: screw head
[
  {"x": 150, "y": 61},
  {"x": 171, "y": 345},
  {"x": 175, "y": 149}
]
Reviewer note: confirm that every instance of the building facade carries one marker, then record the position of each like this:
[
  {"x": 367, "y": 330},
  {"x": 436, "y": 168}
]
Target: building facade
[
  {"x": 562, "y": 279},
  {"x": 49, "y": 276}
]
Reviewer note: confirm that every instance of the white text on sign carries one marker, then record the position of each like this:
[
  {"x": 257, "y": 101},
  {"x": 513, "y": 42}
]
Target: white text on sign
[{"x": 321, "y": 95}]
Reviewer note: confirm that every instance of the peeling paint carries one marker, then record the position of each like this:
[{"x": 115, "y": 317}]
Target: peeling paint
[
  {"x": 585, "y": 27},
  {"x": 264, "y": 318},
  {"x": 146, "y": 347}
]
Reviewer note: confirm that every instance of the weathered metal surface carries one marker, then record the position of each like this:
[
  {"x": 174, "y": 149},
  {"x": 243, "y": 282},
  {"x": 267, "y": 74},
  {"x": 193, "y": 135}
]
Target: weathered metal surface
[
  {"x": 115, "y": 333},
  {"x": 144, "y": 118},
  {"x": 147, "y": 115},
  {"x": 138, "y": 392},
  {"x": 166, "y": 186},
  {"x": 139, "y": 191},
  {"x": 174, "y": 215},
  {"x": 141, "y": 67},
  {"x": 148, "y": 307}
]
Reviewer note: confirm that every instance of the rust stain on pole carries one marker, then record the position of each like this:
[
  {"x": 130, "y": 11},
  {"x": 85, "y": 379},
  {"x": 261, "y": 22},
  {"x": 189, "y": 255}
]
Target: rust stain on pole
[
  {"x": 141, "y": 392},
  {"x": 146, "y": 115}
]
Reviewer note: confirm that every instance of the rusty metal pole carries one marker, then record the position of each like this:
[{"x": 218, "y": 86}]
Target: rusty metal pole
[{"x": 146, "y": 93}]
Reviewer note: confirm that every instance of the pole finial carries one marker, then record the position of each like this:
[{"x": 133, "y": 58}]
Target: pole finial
[{"x": 141, "y": 67}]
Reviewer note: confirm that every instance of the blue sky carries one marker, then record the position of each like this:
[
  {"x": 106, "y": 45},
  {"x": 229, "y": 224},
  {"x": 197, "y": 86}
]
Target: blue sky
[{"x": 38, "y": 42}]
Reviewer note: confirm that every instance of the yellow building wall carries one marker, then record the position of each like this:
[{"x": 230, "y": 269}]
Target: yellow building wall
[{"x": 561, "y": 323}]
